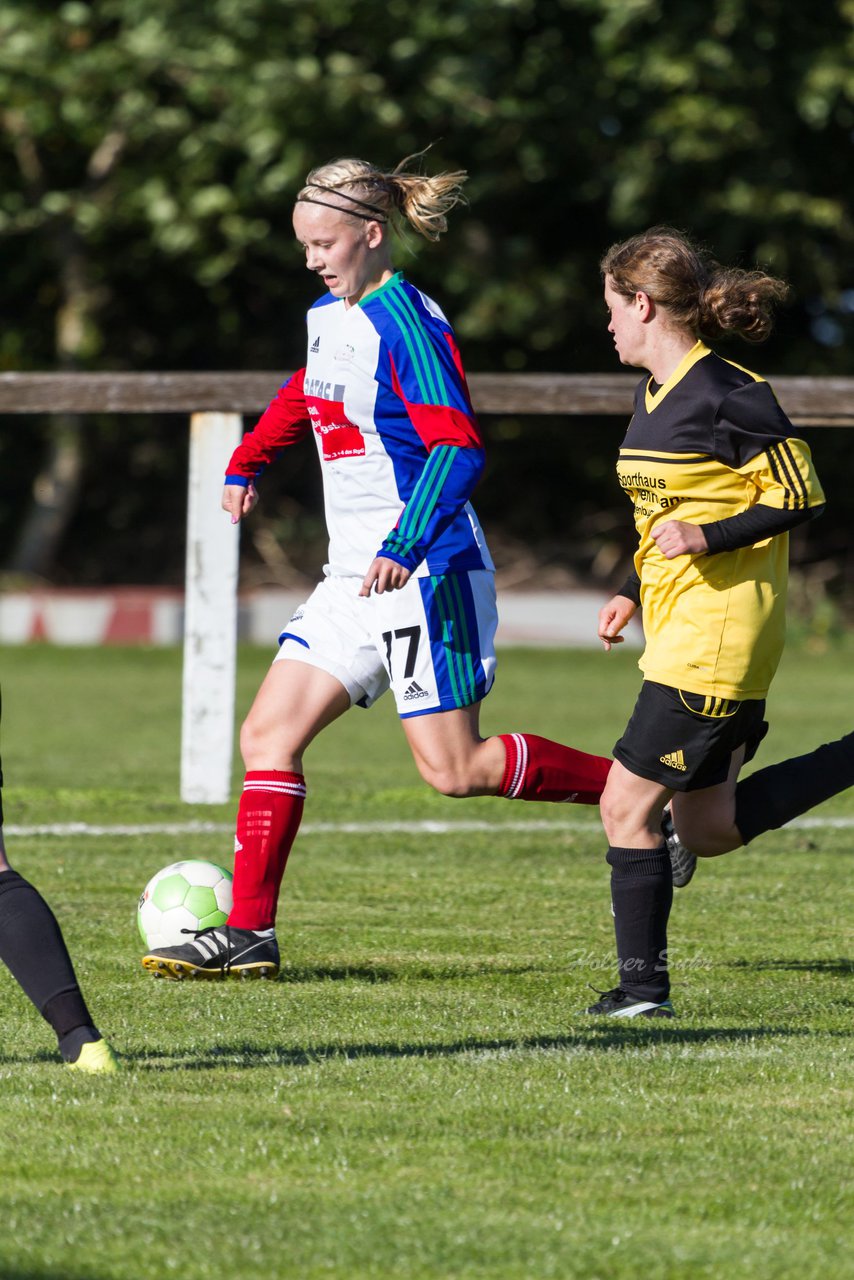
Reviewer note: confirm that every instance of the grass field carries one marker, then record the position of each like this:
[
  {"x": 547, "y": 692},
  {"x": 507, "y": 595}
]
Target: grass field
[{"x": 417, "y": 1096}]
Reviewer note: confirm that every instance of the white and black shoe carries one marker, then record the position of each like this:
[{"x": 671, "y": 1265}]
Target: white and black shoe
[
  {"x": 683, "y": 863},
  {"x": 619, "y": 1004},
  {"x": 219, "y": 952}
]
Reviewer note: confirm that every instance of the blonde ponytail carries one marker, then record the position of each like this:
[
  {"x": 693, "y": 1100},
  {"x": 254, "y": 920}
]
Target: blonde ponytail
[{"x": 364, "y": 191}]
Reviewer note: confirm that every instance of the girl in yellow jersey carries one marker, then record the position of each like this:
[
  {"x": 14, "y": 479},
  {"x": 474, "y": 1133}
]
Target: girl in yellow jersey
[{"x": 716, "y": 480}]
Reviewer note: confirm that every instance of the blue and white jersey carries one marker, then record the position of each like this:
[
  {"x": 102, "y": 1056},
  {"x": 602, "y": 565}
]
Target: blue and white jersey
[{"x": 384, "y": 394}]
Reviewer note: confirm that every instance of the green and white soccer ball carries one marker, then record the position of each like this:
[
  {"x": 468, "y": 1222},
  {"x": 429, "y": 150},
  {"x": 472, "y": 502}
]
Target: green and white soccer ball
[{"x": 185, "y": 895}]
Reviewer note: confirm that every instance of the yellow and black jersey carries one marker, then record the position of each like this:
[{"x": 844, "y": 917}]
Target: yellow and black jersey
[{"x": 710, "y": 444}]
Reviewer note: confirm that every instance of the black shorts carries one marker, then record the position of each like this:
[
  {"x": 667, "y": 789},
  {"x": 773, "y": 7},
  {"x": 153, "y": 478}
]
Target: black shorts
[{"x": 685, "y": 740}]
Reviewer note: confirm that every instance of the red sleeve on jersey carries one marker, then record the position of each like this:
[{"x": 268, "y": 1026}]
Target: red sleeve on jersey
[
  {"x": 458, "y": 362},
  {"x": 283, "y": 422},
  {"x": 439, "y": 424}
]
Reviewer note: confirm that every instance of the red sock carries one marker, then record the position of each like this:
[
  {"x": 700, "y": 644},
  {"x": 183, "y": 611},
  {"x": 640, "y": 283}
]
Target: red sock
[
  {"x": 267, "y": 823},
  {"x": 538, "y": 769}
]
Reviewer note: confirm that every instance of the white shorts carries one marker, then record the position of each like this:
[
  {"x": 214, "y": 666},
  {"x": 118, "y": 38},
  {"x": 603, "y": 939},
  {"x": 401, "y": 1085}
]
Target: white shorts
[{"x": 432, "y": 642}]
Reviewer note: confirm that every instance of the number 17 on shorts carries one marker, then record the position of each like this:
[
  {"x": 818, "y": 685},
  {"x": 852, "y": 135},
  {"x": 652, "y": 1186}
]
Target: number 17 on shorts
[{"x": 437, "y": 640}]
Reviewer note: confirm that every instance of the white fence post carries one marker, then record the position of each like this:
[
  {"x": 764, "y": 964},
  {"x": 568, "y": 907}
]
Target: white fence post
[{"x": 210, "y": 615}]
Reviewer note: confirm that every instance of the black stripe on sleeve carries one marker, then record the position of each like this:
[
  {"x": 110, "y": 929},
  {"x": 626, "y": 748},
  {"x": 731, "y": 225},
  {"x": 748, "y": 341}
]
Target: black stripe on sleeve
[
  {"x": 787, "y": 451},
  {"x": 774, "y": 464}
]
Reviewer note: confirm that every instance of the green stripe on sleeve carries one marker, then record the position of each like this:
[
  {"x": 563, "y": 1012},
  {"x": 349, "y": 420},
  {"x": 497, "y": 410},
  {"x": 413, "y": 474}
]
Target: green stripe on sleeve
[
  {"x": 422, "y": 503},
  {"x": 428, "y": 371}
]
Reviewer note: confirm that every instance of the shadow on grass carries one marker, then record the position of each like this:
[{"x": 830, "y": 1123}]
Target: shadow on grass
[
  {"x": 28, "y": 1274},
  {"x": 406, "y": 972},
  {"x": 64, "y": 1274},
  {"x": 843, "y": 965},
  {"x": 593, "y": 1039},
  {"x": 604, "y": 1038}
]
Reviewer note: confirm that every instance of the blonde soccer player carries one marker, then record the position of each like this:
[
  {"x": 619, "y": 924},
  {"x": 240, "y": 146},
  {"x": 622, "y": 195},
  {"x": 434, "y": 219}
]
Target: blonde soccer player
[{"x": 407, "y": 601}]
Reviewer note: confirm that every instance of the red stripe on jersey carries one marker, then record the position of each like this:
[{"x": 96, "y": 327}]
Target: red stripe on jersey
[
  {"x": 438, "y": 423},
  {"x": 458, "y": 361}
]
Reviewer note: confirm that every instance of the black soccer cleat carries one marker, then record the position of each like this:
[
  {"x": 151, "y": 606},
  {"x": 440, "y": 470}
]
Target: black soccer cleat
[
  {"x": 218, "y": 952},
  {"x": 683, "y": 863},
  {"x": 619, "y": 1004}
]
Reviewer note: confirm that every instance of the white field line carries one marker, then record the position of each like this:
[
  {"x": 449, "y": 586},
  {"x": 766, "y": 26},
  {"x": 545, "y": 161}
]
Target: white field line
[{"x": 426, "y": 827}]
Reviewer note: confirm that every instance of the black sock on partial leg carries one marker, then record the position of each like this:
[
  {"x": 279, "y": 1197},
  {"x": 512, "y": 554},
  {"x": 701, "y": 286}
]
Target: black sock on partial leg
[
  {"x": 642, "y": 894},
  {"x": 773, "y": 796},
  {"x": 71, "y": 1044},
  {"x": 34, "y": 950}
]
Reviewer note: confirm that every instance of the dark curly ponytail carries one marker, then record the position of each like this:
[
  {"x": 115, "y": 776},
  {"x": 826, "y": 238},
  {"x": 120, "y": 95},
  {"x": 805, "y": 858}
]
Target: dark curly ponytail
[{"x": 702, "y": 296}]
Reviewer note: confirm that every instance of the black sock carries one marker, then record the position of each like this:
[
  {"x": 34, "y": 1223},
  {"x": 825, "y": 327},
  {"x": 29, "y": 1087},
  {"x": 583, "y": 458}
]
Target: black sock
[
  {"x": 71, "y": 1044},
  {"x": 642, "y": 894},
  {"x": 33, "y": 948},
  {"x": 772, "y": 797}
]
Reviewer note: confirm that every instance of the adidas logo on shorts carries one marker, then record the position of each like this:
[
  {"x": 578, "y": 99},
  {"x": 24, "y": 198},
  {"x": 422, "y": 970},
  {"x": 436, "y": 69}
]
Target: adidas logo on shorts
[
  {"x": 415, "y": 691},
  {"x": 675, "y": 760},
  {"x": 315, "y": 346}
]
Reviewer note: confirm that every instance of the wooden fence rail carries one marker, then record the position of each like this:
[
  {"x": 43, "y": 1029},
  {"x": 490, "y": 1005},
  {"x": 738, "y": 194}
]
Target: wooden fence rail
[
  {"x": 807, "y": 401},
  {"x": 216, "y": 403}
]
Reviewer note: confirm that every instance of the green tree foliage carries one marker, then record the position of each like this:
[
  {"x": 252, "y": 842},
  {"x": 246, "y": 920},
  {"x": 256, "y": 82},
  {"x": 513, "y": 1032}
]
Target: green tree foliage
[{"x": 149, "y": 155}]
